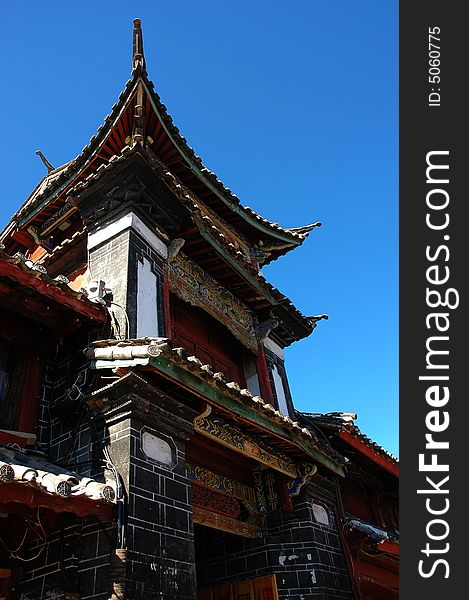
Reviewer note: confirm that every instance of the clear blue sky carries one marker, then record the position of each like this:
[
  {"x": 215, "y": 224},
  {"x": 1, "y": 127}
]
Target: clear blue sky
[{"x": 293, "y": 104}]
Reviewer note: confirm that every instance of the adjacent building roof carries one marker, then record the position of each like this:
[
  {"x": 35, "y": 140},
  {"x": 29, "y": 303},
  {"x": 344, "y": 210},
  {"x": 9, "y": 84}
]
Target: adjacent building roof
[
  {"x": 26, "y": 473},
  {"x": 24, "y": 274},
  {"x": 342, "y": 424}
]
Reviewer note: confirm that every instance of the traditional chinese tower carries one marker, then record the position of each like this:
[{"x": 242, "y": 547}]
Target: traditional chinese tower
[{"x": 183, "y": 395}]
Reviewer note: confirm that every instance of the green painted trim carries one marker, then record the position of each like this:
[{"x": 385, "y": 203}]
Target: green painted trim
[
  {"x": 40, "y": 206},
  {"x": 239, "y": 268},
  {"x": 234, "y": 207},
  {"x": 201, "y": 387}
]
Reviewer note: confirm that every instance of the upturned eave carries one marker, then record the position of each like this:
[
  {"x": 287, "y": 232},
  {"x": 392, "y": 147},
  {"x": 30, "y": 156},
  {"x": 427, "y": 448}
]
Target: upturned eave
[{"x": 117, "y": 131}]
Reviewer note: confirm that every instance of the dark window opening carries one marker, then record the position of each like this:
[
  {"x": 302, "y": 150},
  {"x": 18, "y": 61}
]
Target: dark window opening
[{"x": 9, "y": 382}]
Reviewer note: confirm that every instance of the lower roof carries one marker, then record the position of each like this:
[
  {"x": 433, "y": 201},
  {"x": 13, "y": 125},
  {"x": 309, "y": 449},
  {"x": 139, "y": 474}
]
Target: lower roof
[
  {"x": 163, "y": 357},
  {"x": 29, "y": 477}
]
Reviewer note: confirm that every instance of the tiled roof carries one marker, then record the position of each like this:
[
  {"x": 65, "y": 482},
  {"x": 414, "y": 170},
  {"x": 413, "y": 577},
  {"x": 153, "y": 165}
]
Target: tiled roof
[
  {"x": 37, "y": 272},
  {"x": 33, "y": 469},
  {"x": 190, "y": 201},
  {"x": 59, "y": 179},
  {"x": 53, "y": 183},
  {"x": 49, "y": 182},
  {"x": 298, "y": 234},
  {"x": 345, "y": 422},
  {"x": 64, "y": 246},
  {"x": 140, "y": 351}
]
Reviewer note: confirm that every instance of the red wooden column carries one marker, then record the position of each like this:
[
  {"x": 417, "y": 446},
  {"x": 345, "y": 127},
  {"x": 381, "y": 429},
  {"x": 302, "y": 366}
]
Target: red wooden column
[
  {"x": 29, "y": 393},
  {"x": 263, "y": 375},
  {"x": 167, "y": 306}
]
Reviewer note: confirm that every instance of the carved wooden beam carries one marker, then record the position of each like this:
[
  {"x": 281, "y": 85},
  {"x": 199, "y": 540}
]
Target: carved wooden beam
[
  {"x": 231, "y": 436},
  {"x": 224, "y": 523},
  {"x": 222, "y": 483}
]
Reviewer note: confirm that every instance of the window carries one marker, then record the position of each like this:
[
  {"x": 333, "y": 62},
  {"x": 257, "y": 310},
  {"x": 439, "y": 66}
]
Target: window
[{"x": 9, "y": 380}]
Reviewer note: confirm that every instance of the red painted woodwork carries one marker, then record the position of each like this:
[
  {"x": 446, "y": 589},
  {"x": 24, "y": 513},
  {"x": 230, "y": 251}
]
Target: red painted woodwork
[
  {"x": 374, "y": 576},
  {"x": 389, "y": 547},
  {"x": 204, "y": 337},
  {"x": 51, "y": 291},
  {"x": 20, "y": 370},
  {"x": 22, "y": 237},
  {"x": 356, "y": 502},
  {"x": 383, "y": 577},
  {"x": 263, "y": 375},
  {"x": 219, "y": 459},
  {"x": 28, "y": 401},
  {"x": 385, "y": 510},
  {"x": 349, "y": 560},
  {"x": 10, "y": 437},
  {"x": 369, "y": 452},
  {"x": 12, "y": 493},
  {"x": 286, "y": 501}
]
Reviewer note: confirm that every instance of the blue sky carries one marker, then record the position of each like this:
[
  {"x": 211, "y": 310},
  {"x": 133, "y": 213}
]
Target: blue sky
[{"x": 293, "y": 105}]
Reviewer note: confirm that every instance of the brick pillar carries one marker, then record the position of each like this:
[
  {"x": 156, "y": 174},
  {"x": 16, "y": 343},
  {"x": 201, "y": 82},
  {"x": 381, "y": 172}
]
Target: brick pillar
[
  {"x": 307, "y": 552},
  {"x": 129, "y": 257},
  {"x": 147, "y": 433}
]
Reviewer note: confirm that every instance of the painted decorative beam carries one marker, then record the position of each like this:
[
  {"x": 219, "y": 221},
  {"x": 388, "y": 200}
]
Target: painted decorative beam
[
  {"x": 224, "y": 523},
  {"x": 216, "y": 396},
  {"x": 226, "y": 396},
  {"x": 234, "y": 438},
  {"x": 220, "y": 482}
]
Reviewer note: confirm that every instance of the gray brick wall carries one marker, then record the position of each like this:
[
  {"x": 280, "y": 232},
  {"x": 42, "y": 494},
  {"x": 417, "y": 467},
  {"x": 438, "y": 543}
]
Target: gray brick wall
[
  {"x": 78, "y": 559},
  {"x": 306, "y": 557},
  {"x": 160, "y": 546}
]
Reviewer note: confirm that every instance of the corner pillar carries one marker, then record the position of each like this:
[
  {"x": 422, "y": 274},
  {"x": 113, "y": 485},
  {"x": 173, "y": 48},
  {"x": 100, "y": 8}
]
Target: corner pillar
[{"x": 147, "y": 443}]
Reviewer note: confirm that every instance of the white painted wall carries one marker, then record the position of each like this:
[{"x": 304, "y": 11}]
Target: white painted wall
[
  {"x": 147, "y": 296},
  {"x": 282, "y": 400},
  {"x": 157, "y": 449},
  {"x": 128, "y": 221},
  {"x": 252, "y": 380},
  {"x": 275, "y": 348}
]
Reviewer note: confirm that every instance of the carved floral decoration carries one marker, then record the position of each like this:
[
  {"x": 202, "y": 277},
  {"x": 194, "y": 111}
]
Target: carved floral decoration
[{"x": 193, "y": 285}]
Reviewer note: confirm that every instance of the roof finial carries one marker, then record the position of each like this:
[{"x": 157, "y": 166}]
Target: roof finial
[
  {"x": 313, "y": 321},
  {"x": 49, "y": 167},
  {"x": 138, "y": 58}
]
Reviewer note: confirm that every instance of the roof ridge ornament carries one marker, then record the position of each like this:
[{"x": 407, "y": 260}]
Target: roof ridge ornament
[
  {"x": 138, "y": 57},
  {"x": 313, "y": 321},
  {"x": 305, "y": 229},
  {"x": 48, "y": 165}
]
